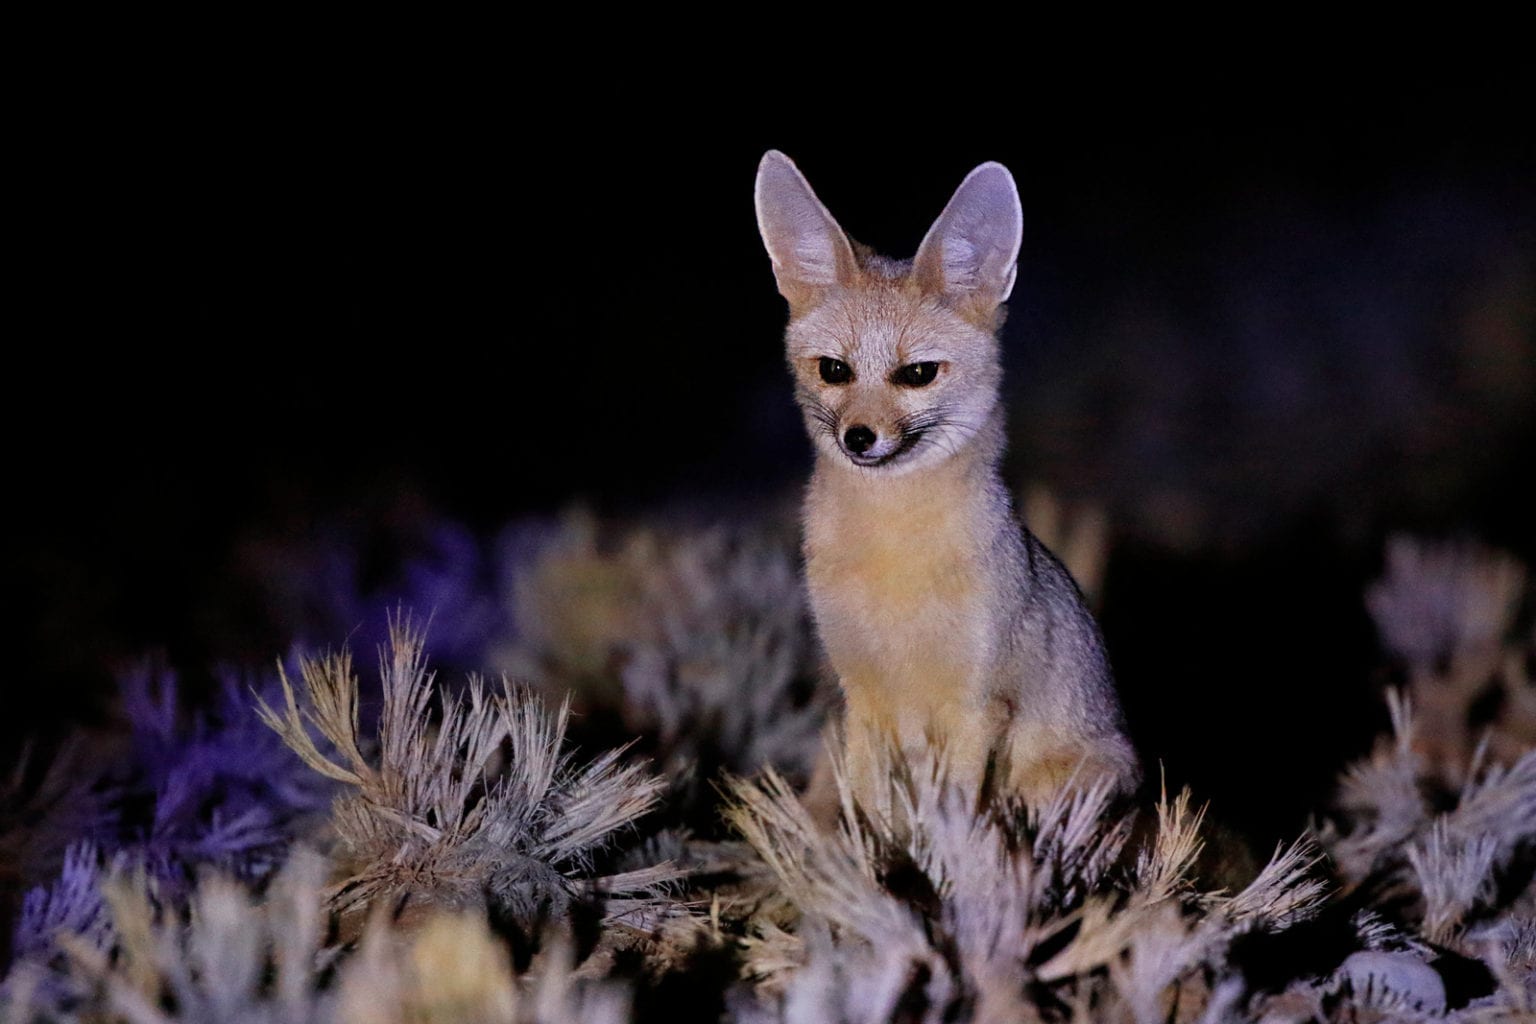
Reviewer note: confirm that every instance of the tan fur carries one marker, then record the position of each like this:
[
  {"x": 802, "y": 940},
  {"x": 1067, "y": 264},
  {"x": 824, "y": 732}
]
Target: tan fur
[{"x": 945, "y": 621}]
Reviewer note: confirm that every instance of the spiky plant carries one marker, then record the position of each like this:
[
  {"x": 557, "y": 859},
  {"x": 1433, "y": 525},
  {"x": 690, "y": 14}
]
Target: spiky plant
[
  {"x": 72, "y": 903},
  {"x": 1445, "y": 863},
  {"x": 69, "y": 910},
  {"x": 237, "y": 958},
  {"x": 50, "y": 810},
  {"x": 934, "y": 906},
  {"x": 227, "y": 958},
  {"x": 453, "y": 970},
  {"x": 1440, "y": 601},
  {"x": 698, "y": 641},
  {"x": 470, "y": 799},
  {"x": 208, "y": 809},
  {"x": 1445, "y": 613}
]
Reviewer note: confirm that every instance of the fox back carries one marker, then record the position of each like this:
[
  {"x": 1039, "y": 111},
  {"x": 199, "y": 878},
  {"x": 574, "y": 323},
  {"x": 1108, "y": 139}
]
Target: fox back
[{"x": 945, "y": 621}]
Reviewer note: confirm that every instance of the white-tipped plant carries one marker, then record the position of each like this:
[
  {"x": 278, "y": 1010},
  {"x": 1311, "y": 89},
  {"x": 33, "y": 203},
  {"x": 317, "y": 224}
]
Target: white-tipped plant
[
  {"x": 1285, "y": 891},
  {"x": 72, "y": 904},
  {"x": 69, "y": 911},
  {"x": 933, "y": 904},
  {"x": 924, "y": 900},
  {"x": 470, "y": 799},
  {"x": 1388, "y": 835},
  {"x": 453, "y": 969},
  {"x": 1452, "y": 875},
  {"x": 233, "y": 957},
  {"x": 229, "y": 958},
  {"x": 1445, "y": 613},
  {"x": 1382, "y": 798},
  {"x": 1441, "y": 601},
  {"x": 700, "y": 640},
  {"x": 1155, "y": 929}
]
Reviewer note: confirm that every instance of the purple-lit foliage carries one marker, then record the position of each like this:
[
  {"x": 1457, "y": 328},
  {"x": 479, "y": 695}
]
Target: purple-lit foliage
[
  {"x": 222, "y": 790},
  {"x": 72, "y": 903},
  {"x": 46, "y": 808},
  {"x": 341, "y": 582}
]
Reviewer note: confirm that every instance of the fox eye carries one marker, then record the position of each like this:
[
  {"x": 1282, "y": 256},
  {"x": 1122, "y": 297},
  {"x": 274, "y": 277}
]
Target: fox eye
[
  {"x": 915, "y": 375},
  {"x": 835, "y": 371}
]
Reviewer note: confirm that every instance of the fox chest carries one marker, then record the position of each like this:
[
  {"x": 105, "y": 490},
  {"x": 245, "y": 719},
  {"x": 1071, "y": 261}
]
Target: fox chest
[{"x": 903, "y": 618}]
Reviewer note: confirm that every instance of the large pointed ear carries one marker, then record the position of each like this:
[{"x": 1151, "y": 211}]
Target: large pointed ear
[
  {"x": 809, "y": 251},
  {"x": 971, "y": 253}
]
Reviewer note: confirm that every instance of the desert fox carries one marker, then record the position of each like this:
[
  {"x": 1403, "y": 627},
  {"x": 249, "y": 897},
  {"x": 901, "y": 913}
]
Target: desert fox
[{"x": 943, "y": 618}]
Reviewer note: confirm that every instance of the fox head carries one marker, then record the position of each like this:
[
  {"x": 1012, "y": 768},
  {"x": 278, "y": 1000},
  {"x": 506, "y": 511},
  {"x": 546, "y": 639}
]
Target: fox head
[{"x": 895, "y": 362}]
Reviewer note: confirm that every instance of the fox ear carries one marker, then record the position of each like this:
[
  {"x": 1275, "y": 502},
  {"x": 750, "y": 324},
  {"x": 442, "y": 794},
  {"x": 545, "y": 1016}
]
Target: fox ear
[
  {"x": 809, "y": 251},
  {"x": 971, "y": 253}
]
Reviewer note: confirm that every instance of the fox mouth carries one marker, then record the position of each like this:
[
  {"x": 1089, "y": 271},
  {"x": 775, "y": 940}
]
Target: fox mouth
[{"x": 909, "y": 441}]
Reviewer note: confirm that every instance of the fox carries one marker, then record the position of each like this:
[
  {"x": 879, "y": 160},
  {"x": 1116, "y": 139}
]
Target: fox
[{"x": 946, "y": 622}]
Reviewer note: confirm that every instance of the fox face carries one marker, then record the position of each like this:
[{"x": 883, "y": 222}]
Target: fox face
[
  {"x": 895, "y": 362},
  {"x": 890, "y": 379}
]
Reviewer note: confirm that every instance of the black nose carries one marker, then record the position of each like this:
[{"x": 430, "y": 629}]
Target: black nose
[{"x": 859, "y": 439}]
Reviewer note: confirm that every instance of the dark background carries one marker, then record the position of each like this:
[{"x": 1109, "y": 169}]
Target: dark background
[{"x": 1263, "y": 326}]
